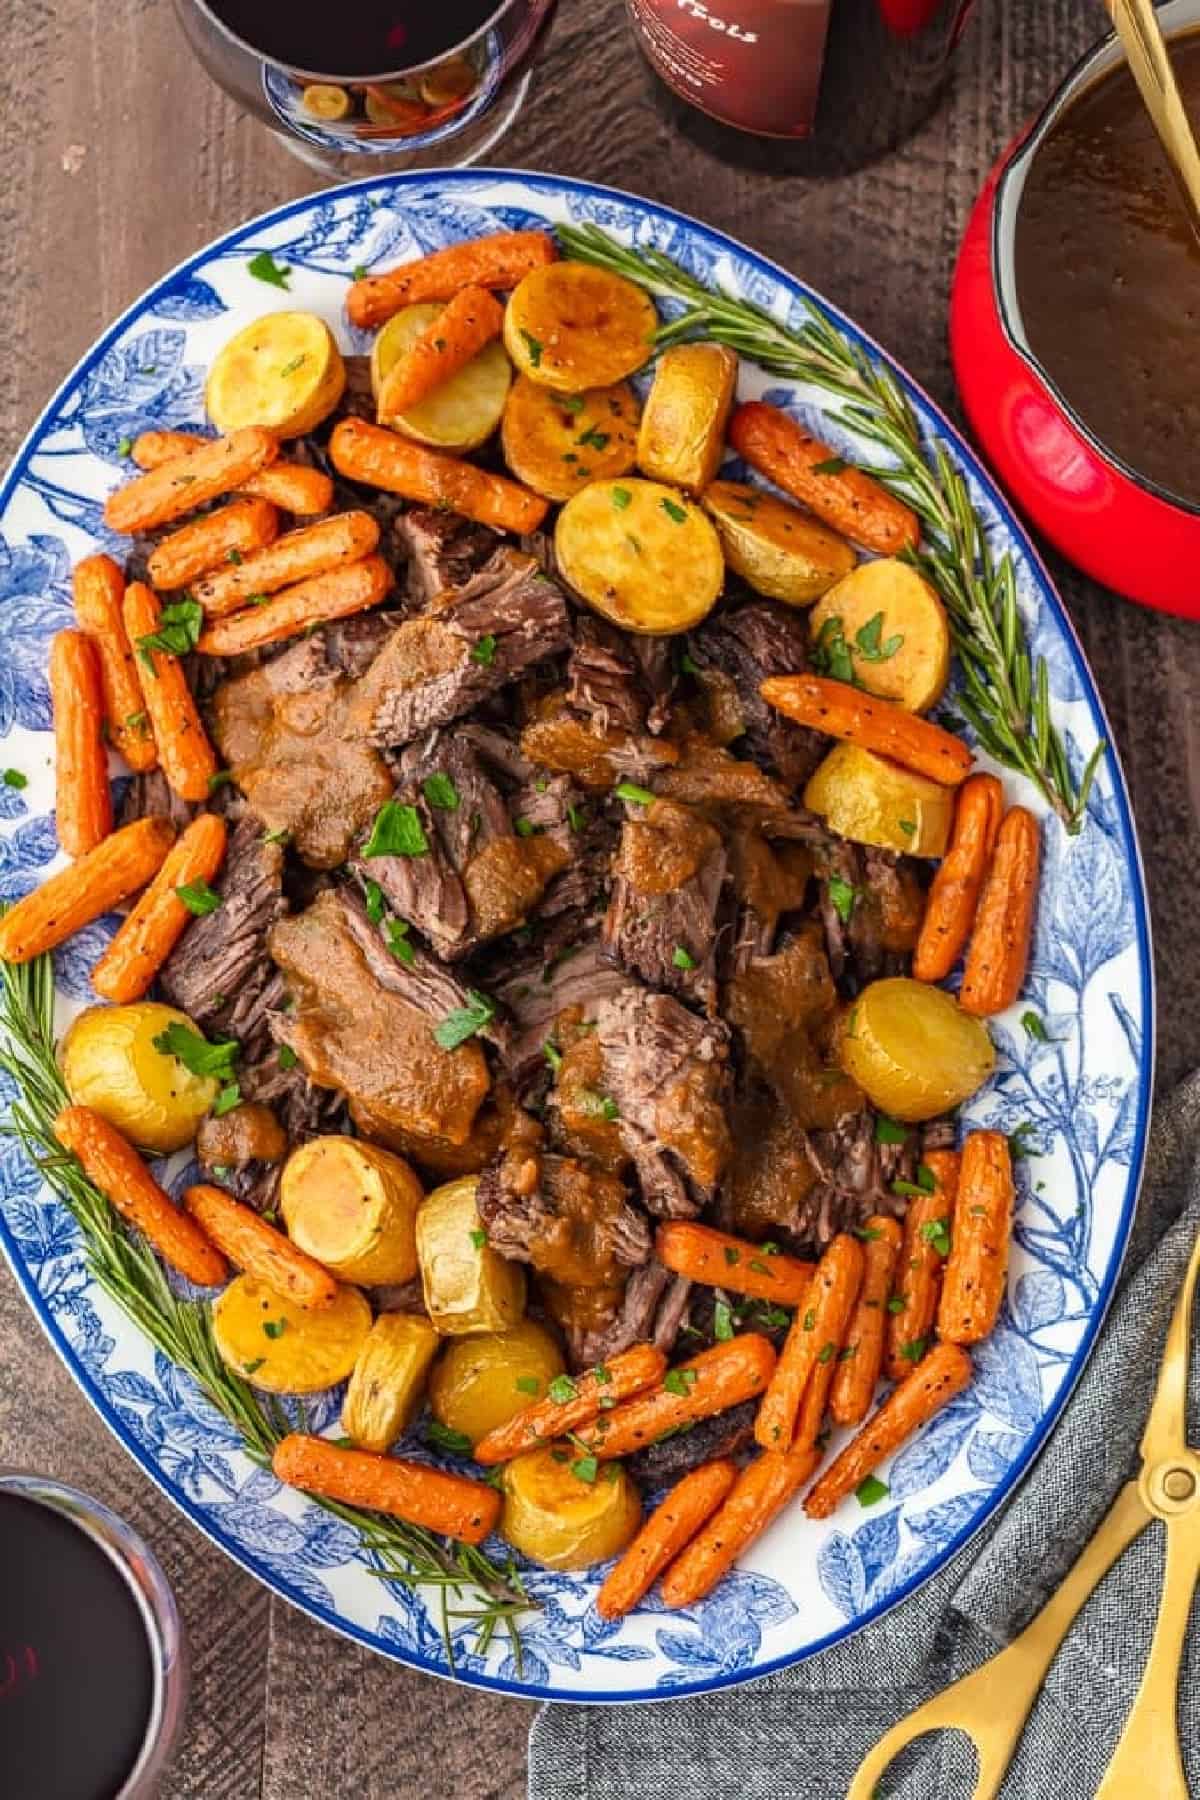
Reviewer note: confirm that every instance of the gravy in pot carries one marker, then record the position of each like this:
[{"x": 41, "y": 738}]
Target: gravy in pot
[{"x": 1108, "y": 276}]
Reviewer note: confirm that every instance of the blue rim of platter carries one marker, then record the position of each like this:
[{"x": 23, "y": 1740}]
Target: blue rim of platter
[{"x": 563, "y": 188}]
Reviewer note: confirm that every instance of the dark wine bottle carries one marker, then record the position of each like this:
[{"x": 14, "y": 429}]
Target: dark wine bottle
[{"x": 814, "y": 87}]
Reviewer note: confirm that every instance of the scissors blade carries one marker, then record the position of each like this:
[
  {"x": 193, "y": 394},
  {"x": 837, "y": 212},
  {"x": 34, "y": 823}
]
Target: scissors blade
[{"x": 1166, "y": 1428}]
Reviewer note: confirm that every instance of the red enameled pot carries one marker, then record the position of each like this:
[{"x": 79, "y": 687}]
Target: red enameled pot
[{"x": 1108, "y": 520}]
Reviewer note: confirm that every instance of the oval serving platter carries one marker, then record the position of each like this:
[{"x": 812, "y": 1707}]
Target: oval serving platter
[{"x": 1076, "y": 1096}]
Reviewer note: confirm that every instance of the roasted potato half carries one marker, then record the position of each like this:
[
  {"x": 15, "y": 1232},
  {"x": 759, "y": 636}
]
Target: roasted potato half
[
  {"x": 110, "y": 1062},
  {"x": 774, "y": 547},
  {"x": 890, "y": 627},
  {"x": 682, "y": 436},
  {"x": 463, "y": 412},
  {"x": 283, "y": 371},
  {"x": 913, "y": 1050},
  {"x": 557, "y": 443},
  {"x": 467, "y": 1286},
  {"x": 388, "y": 1383},
  {"x": 353, "y": 1207},
  {"x": 564, "y": 1512},
  {"x": 872, "y": 801},
  {"x": 483, "y": 1381},
  {"x": 572, "y": 327},
  {"x": 285, "y": 1348},
  {"x": 640, "y": 554}
]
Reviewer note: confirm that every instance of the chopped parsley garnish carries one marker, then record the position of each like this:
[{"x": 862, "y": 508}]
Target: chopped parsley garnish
[
  {"x": 682, "y": 959},
  {"x": 585, "y": 1469},
  {"x": 198, "y": 897},
  {"x": 687, "y": 664},
  {"x": 484, "y": 651},
  {"x": 571, "y": 403},
  {"x": 527, "y": 1384},
  {"x": 867, "y": 638},
  {"x": 441, "y": 792},
  {"x": 534, "y": 347},
  {"x": 722, "y": 1321},
  {"x": 913, "y": 1351},
  {"x": 732, "y": 1256},
  {"x": 576, "y": 817},
  {"x": 842, "y": 895},
  {"x": 937, "y": 1235},
  {"x": 125, "y": 446},
  {"x": 868, "y": 1233},
  {"x": 221, "y": 1171},
  {"x": 629, "y": 790},
  {"x": 226, "y": 1100},
  {"x": 553, "y": 1055},
  {"x": 274, "y": 1328},
  {"x": 673, "y": 511},
  {"x": 13, "y": 778},
  {"x": 621, "y": 498},
  {"x": 832, "y": 465},
  {"x": 358, "y": 272},
  {"x": 178, "y": 633},
  {"x": 525, "y": 827},
  {"x": 397, "y": 831},
  {"x": 871, "y": 1490},
  {"x": 826, "y": 1352},
  {"x": 596, "y": 1106},
  {"x": 1034, "y": 1028},
  {"x": 236, "y": 558},
  {"x": 375, "y": 906},
  {"x": 287, "y": 1057},
  {"x": 276, "y": 837},
  {"x": 760, "y": 1267},
  {"x": 889, "y": 1131},
  {"x": 595, "y": 440},
  {"x": 297, "y": 362},
  {"x": 264, "y": 268},
  {"x": 907, "y": 826},
  {"x": 926, "y": 1182},
  {"x": 562, "y": 1389},
  {"x": 847, "y": 1353},
  {"x": 897, "y": 1303},
  {"x": 831, "y": 653},
  {"x": 197, "y": 1055},
  {"x": 396, "y": 932},
  {"x": 441, "y": 1436},
  {"x": 810, "y": 1319},
  {"x": 465, "y": 1021},
  {"x": 214, "y": 781},
  {"x": 479, "y": 1242},
  {"x": 602, "y": 1373},
  {"x": 1019, "y": 1141},
  {"x": 252, "y": 1368},
  {"x": 679, "y": 1381}
]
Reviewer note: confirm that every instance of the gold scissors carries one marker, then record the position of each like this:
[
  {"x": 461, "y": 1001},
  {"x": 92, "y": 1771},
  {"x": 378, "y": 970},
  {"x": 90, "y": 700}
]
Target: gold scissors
[{"x": 992, "y": 1704}]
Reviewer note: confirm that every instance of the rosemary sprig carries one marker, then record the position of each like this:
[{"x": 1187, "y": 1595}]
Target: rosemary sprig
[
  {"x": 130, "y": 1273},
  {"x": 1006, "y": 692}
]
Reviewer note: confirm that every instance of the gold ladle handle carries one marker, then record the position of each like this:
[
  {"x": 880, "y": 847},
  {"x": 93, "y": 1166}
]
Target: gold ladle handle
[
  {"x": 1149, "y": 61},
  {"x": 992, "y": 1704}
]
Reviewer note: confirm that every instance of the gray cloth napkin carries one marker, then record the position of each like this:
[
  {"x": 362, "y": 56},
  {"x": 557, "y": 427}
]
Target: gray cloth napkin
[{"x": 802, "y": 1734}]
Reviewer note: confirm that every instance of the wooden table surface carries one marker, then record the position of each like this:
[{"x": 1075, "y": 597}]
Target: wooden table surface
[{"x": 120, "y": 158}]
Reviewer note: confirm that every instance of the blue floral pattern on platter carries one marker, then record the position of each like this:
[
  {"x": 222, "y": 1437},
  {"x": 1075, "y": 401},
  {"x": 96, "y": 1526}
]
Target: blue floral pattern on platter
[{"x": 1078, "y": 1098}]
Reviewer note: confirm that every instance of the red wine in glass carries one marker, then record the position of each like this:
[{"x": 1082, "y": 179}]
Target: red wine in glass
[{"x": 377, "y": 84}]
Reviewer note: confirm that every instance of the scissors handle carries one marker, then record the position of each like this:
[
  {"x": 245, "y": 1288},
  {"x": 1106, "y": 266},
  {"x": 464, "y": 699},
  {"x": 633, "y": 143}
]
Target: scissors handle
[{"x": 992, "y": 1704}]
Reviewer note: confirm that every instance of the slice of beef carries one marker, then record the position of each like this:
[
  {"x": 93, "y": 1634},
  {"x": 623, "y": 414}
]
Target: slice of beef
[
  {"x": 667, "y": 1073},
  {"x": 351, "y": 645},
  {"x": 668, "y": 881},
  {"x": 851, "y": 1184},
  {"x": 662, "y": 1464},
  {"x": 734, "y": 791},
  {"x": 401, "y": 1296},
  {"x": 748, "y": 644},
  {"x": 655, "y": 658},
  {"x": 615, "y": 1320},
  {"x": 362, "y": 1024},
  {"x": 939, "y": 1134},
  {"x": 570, "y": 1219},
  {"x": 595, "y": 754},
  {"x": 480, "y": 637},
  {"x": 444, "y": 550},
  {"x": 148, "y": 796},
  {"x": 769, "y": 880},
  {"x": 871, "y": 904},
  {"x": 285, "y": 731},
  {"x": 243, "y": 1151},
  {"x": 536, "y": 991},
  {"x": 220, "y": 972},
  {"x": 603, "y": 677}
]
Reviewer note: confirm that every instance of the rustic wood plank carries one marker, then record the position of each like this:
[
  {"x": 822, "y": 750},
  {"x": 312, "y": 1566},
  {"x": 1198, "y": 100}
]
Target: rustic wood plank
[{"x": 120, "y": 158}]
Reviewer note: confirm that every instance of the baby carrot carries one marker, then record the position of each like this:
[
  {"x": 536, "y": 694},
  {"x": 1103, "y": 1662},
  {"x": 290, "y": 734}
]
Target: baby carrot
[
  {"x": 812, "y": 1341},
  {"x": 998, "y": 953},
  {"x": 83, "y": 801},
  {"x": 289, "y": 486},
  {"x": 758, "y": 1496},
  {"x": 108, "y": 875},
  {"x": 852, "y": 502},
  {"x": 498, "y": 261},
  {"x": 451, "y": 1504},
  {"x": 934, "y": 1382},
  {"x": 860, "y": 1359},
  {"x": 666, "y": 1532},
  {"x": 295, "y": 557},
  {"x": 460, "y": 331},
  {"x": 709, "y": 1383},
  {"x": 226, "y": 536},
  {"x": 252, "y": 1245},
  {"x": 99, "y": 589},
  {"x": 716, "y": 1258},
  {"x": 151, "y": 931},
  {"x": 842, "y": 711},
  {"x": 928, "y": 1224},
  {"x": 595, "y": 1391},
  {"x": 977, "y": 1267},
  {"x": 187, "y": 757},
  {"x": 333, "y": 595},
  {"x": 216, "y": 467},
  {"x": 954, "y": 892},
  {"x": 112, "y": 1164},
  {"x": 380, "y": 458}
]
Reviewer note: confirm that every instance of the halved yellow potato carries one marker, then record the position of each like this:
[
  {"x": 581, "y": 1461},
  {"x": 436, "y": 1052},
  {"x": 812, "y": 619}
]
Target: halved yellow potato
[
  {"x": 285, "y": 1348},
  {"x": 463, "y": 412},
  {"x": 913, "y": 1050},
  {"x": 467, "y": 1286},
  {"x": 557, "y": 443},
  {"x": 352, "y": 1206},
  {"x": 572, "y": 327},
  {"x": 110, "y": 1063},
  {"x": 893, "y": 628},
  {"x": 641, "y": 554},
  {"x": 388, "y": 1383},
  {"x": 872, "y": 801},
  {"x": 561, "y": 1519},
  {"x": 283, "y": 371},
  {"x": 775, "y": 547},
  {"x": 682, "y": 437},
  {"x": 483, "y": 1381}
]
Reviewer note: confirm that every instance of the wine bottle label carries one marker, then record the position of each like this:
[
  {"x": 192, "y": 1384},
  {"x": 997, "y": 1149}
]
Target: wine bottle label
[{"x": 753, "y": 64}]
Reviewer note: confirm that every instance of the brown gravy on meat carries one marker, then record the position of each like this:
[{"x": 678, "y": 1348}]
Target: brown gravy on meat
[{"x": 1108, "y": 276}]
